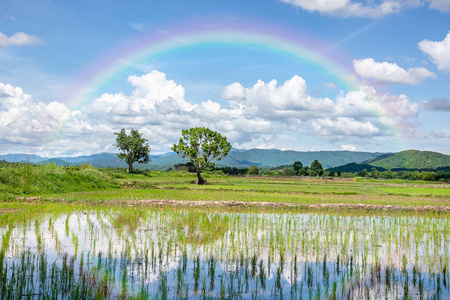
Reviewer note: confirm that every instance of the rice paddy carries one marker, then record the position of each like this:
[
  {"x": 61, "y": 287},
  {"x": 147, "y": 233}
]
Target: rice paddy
[
  {"x": 154, "y": 236},
  {"x": 80, "y": 252}
]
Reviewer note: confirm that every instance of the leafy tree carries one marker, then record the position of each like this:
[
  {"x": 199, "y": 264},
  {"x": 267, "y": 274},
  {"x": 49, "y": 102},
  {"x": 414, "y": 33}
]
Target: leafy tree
[
  {"x": 362, "y": 173},
  {"x": 316, "y": 168},
  {"x": 253, "y": 170},
  {"x": 304, "y": 171},
  {"x": 134, "y": 148},
  {"x": 202, "y": 146},
  {"x": 297, "y": 167},
  {"x": 375, "y": 173},
  {"x": 288, "y": 172}
]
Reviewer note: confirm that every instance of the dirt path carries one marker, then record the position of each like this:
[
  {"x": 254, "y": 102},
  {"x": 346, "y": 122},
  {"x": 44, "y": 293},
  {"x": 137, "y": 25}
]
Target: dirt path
[{"x": 275, "y": 205}]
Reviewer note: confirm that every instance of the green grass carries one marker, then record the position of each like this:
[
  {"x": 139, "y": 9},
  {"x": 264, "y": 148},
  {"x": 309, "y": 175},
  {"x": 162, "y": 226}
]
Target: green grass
[
  {"x": 17, "y": 179},
  {"x": 274, "y": 190},
  {"x": 90, "y": 185}
]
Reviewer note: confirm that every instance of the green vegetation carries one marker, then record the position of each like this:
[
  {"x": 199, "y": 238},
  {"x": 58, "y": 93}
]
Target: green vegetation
[
  {"x": 93, "y": 185},
  {"x": 85, "y": 233},
  {"x": 411, "y": 159},
  {"x": 129, "y": 253},
  {"x": 253, "y": 170},
  {"x": 17, "y": 179},
  {"x": 202, "y": 146},
  {"x": 133, "y": 147}
]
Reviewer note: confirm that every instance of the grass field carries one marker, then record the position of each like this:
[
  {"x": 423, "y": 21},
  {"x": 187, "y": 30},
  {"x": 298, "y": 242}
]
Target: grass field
[{"x": 266, "y": 189}]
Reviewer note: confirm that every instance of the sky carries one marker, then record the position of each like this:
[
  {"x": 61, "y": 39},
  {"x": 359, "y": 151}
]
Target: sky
[{"x": 306, "y": 75}]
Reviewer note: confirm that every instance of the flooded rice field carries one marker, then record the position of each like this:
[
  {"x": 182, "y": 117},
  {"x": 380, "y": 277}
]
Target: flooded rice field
[{"x": 146, "y": 254}]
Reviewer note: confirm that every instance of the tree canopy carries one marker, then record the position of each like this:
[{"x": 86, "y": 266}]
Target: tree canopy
[
  {"x": 202, "y": 146},
  {"x": 133, "y": 148},
  {"x": 316, "y": 168},
  {"x": 253, "y": 170}
]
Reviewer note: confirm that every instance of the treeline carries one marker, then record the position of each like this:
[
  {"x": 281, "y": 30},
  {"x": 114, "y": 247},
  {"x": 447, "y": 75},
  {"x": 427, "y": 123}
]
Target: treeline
[
  {"x": 316, "y": 170},
  {"x": 404, "y": 174}
]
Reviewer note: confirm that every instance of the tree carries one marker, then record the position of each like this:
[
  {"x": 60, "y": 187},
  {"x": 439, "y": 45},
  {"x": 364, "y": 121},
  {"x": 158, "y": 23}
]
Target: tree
[
  {"x": 202, "y": 145},
  {"x": 134, "y": 148},
  {"x": 253, "y": 170},
  {"x": 297, "y": 167},
  {"x": 316, "y": 168},
  {"x": 375, "y": 173}
]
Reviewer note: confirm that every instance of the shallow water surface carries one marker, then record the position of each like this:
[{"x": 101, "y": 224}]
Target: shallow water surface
[{"x": 133, "y": 253}]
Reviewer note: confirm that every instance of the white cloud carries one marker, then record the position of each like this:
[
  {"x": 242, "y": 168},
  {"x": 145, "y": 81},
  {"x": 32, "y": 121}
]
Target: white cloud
[
  {"x": 365, "y": 8},
  {"x": 18, "y": 39},
  {"x": 234, "y": 91},
  {"x": 348, "y": 147},
  {"x": 253, "y": 117},
  {"x": 336, "y": 129},
  {"x": 385, "y": 72},
  {"x": 349, "y": 8},
  {"x": 289, "y": 102},
  {"x": 441, "y": 5},
  {"x": 24, "y": 121},
  {"x": 438, "y": 52}
]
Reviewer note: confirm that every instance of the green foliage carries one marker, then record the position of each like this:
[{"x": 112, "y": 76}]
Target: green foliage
[
  {"x": 411, "y": 159},
  {"x": 134, "y": 148},
  {"x": 253, "y": 170},
  {"x": 297, "y": 167},
  {"x": 316, "y": 168},
  {"x": 202, "y": 146}
]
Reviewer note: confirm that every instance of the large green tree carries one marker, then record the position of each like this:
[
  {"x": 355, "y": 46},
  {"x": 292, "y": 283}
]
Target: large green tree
[
  {"x": 202, "y": 146},
  {"x": 133, "y": 148}
]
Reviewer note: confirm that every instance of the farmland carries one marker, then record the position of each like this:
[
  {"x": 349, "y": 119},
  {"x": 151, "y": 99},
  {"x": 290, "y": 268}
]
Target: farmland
[{"x": 156, "y": 235}]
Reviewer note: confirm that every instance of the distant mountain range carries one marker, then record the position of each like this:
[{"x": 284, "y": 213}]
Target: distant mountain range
[
  {"x": 236, "y": 158},
  {"x": 345, "y": 161}
]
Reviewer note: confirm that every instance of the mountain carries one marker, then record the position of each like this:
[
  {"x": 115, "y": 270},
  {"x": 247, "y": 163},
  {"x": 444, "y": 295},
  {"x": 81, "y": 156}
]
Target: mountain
[
  {"x": 272, "y": 157},
  {"x": 355, "y": 167},
  {"x": 410, "y": 159},
  {"x": 31, "y": 158},
  {"x": 56, "y": 161},
  {"x": 236, "y": 158}
]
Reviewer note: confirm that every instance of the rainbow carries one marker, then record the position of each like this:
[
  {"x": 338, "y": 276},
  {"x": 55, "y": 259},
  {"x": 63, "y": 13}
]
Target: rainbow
[{"x": 230, "y": 33}]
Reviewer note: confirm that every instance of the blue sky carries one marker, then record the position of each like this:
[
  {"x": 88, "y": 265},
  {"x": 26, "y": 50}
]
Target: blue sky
[{"x": 394, "y": 54}]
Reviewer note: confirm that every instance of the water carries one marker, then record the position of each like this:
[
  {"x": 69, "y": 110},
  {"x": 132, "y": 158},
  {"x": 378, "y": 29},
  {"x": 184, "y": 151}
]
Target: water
[{"x": 168, "y": 254}]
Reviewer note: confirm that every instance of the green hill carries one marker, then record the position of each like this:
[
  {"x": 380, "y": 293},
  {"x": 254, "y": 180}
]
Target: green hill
[
  {"x": 355, "y": 167},
  {"x": 410, "y": 159}
]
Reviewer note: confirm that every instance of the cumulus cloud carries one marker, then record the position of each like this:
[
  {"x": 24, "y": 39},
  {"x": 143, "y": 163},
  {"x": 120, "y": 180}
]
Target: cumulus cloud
[
  {"x": 336, "y": 129},
  {"x": 385, "y": 72},
  {"x": 349, "y": 147},
  {"x": 289, "y": 102},
  {"x": 252, "y": 117},
  {"x": 365, "y": 8},
  {"x": 25, "y": 121},
  {"x": 18, "y": 39},
  {"x": 350, "y": 114},
  {"x": 234, "y": 91},
  {"x": 349, "y": 8},
  {"x": 438, "y": 52},
  {"x": 436, "y": 104}
]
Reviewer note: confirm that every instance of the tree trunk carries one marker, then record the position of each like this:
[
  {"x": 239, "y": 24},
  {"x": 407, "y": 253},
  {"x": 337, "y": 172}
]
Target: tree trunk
[
  {"x": 200, "y": 180},
  {"x": 130, "y": 168}
]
